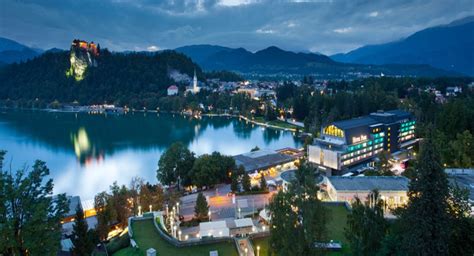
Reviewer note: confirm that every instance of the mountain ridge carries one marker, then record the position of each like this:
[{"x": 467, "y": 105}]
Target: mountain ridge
[
  {"x": 449, "y": 47},
  {"x": 12, "y": 52},
  {"x": 274, "y": 60}
]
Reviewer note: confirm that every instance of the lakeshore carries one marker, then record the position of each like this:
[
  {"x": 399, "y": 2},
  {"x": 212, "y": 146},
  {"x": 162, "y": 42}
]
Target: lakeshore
[{"x": 88, "y": 152}]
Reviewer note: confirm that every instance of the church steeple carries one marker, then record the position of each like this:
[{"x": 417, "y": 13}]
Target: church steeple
[{"x": 195, "y": 82}]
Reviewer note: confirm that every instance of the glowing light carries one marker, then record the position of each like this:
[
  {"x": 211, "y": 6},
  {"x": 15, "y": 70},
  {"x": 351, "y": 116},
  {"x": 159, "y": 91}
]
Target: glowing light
[{"x": 81, "y": 142}]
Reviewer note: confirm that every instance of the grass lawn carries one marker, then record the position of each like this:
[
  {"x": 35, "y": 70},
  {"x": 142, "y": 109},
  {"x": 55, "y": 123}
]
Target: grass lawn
[
  {"x": 147, "y": 237},
  {"x": 336, "y": 227},
  {"x": 283, "y": 124},
  {"x": 264, "y": 244}
]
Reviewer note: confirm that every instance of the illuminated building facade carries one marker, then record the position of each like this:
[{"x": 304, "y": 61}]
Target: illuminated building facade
[{"x": 346, "y": 143}]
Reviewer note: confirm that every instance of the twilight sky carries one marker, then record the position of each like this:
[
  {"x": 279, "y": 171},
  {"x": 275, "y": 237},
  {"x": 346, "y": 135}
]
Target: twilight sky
[{"x": 326, "y": 26}]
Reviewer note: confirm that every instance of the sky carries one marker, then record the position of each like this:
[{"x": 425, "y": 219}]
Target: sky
[{"x": 325, "y": 26}]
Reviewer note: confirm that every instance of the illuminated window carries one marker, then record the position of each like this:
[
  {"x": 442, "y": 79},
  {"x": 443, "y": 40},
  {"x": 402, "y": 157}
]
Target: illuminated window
[{"x": 334, "y": 131}]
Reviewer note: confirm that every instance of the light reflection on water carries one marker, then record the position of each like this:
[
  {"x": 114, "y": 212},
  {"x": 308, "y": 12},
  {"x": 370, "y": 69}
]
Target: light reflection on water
[{"x": 87, "y": 153}]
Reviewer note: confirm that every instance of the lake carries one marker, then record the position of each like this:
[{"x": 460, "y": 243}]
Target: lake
[{"x": 86, "y": 153}]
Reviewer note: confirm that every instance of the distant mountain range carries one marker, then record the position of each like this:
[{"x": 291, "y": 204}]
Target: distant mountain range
[
  {"x": 275, "y": 61},
  {"x": 449, "y": 47},
  {"x": 11, "y": 51},
  {"x": 446, "y": 50}
]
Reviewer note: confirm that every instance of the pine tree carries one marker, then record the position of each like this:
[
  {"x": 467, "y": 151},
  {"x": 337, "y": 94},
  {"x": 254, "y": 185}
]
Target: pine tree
[
  {"x": 80, "y": 238},
  {"x": 201, "y": 209},
  {"x": 298, "y": 217},
  {"x": 246, "y": 185},
  {"x": 234, "y": 185},
  {"x": 425, "y": 218},
  {"x": 366, "y": 225},
  {"x": 263, "y": 183}
]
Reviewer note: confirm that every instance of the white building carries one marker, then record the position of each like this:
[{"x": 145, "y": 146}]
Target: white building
[
  {"x": 214, "y": 229},
  {"x": 195, "y": 88},
  {"x": 392, "y": 189},
  {"x": 173, "y": 90}
]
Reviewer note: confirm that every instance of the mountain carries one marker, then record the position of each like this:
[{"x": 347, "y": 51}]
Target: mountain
[
  {"x": 449, "y": 47},
  {"x": 11, "y": 51},
  {"x": 273, "y": 61},
  {"x": 201, "y": 52}
]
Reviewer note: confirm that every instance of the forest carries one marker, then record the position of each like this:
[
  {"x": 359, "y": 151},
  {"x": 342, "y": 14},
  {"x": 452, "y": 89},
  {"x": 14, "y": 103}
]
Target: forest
[{"x": 126, "y": 79}]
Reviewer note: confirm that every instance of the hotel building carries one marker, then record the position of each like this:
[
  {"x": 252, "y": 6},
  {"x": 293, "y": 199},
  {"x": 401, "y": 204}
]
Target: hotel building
[{"x": 347, "y": 143}]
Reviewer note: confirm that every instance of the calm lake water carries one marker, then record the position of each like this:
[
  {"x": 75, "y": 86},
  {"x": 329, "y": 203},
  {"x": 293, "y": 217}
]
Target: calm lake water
[{"x": 86, "y": 153}]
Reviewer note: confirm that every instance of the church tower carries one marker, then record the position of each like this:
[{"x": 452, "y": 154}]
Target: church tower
[{"x": 195, "y": 83}]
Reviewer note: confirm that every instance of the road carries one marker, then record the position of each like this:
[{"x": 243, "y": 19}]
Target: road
[{"x": 221, "y": 205}]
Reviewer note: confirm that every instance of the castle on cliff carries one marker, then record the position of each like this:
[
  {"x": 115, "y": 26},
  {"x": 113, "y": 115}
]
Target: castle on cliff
[
  {"x": 82, "y": 55},
  {"x": 91, "y": 47}
]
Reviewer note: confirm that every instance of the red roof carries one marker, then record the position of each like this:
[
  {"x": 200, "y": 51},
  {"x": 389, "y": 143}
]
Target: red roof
[{"x": 173, "y": 87}]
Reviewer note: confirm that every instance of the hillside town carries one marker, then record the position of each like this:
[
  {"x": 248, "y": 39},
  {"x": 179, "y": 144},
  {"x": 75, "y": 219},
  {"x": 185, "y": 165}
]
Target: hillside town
[{"x": 237, "y": 128}]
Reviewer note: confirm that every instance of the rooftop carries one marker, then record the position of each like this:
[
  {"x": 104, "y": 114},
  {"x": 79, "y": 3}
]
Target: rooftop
[
  {"x": 368, "y": 183},
  {"x": 74, "y": 201},
  {"x": 262, "y": 159},
  {"x": 371, "y": 119},
  {"x": 464, "y": 178},
  {"x": 355, "y": 122},
  {"x": 246, "y": 222}
]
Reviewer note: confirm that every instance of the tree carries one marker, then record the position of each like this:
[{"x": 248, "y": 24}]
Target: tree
[
  {"x": 263, "y": 183},
  {"x": 29, "y": 214},
  {"x": 151, "y": 195},
  {"x": 104, "y": 212},
  {"x": 175, "y": 164},
  {"x": 366, "y": 225},
  {"x": 205, "y": 171},
  {"x": 463, "y": 150},
  {"x": 270, "y": 112},
  {"x": 425, "y": 219},
  {"x": 202, "y": 208},
  {"x": 209, "y": 170},
  {"x": 298, "y": 218},
  {"x": 382, "y": 166},
  {"x": 135, "y": 189},
  {"x": 80, "y": 236},
  {"x": 461, "y": 238},
  {"x": 234, "y": 185},
  {"x": 246, "y": 185},
  {"x": 119, "y": 203}
]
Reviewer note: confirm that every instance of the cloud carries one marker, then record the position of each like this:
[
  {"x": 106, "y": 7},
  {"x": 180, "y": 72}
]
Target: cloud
[
  {"x": 265, "y": 31},
  {"x": 153, "y": 48},
  {"x": 343, "y": 30},
  {"x": 374, "y": 14},
  {"x": 235, "y": 2},
  {"x": 253, "y": 24}
]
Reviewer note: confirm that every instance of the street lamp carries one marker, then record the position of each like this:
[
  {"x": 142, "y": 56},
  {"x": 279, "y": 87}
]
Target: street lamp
[
  {"x": 150, "y": 208},
  {"x": 139, "y": 210},
  {"x": 246, "y": 251},
  {"x": 186, "y": 237},
  {"x": 179, "y": 234},
  {"x": 258, "y": 250},
  {"x": 239, "y": 212},
  {"x": 174, "y": 231},
  {"x": 209, "y": 214},
  {"x": 177, "y": 208}
]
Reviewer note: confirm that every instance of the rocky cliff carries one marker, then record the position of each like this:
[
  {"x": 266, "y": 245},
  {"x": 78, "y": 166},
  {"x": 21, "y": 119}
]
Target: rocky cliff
[{"x": 82, "y": 55}]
